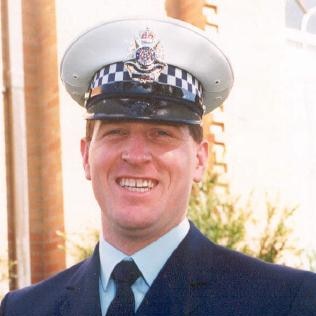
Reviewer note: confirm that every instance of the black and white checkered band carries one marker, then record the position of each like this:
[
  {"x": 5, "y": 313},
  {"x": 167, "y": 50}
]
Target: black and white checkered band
[{"x": 170, "y": 75}]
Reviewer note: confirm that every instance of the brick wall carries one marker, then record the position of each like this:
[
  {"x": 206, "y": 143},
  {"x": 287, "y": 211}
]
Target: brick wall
[
  {"x": 43, "y": 137},
  {"x": 187, "y": 10},
  {"x": 7, "y": 114}
]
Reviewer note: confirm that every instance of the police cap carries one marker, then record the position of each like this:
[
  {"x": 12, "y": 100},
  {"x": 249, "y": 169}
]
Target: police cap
[{"x": 159, "y": 69}]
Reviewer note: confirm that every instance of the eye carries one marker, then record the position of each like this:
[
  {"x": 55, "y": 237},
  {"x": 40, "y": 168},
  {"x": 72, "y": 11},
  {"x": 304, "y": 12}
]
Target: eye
[
  {"x": 115, "y": 132},
  {"x": 162, "y": 132},
  {"x": 166, "y": 133}
]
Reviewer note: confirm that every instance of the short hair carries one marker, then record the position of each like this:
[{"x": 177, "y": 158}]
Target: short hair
[{"x": 196, "y": 131}]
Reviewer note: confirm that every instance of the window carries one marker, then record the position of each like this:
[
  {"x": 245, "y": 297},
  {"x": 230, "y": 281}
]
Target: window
[{"x": 300, "y": 20}]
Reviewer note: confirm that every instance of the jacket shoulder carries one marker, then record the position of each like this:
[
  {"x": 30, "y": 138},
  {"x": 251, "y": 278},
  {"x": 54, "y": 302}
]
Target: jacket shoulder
[
  {"x": 40, "y": 298},
  {"x": 264, "y": 288},
  {"x": 231, "y": 262}
]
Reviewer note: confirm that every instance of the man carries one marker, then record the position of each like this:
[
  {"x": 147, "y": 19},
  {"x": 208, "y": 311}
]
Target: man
[{"x": 152, "y": 81}]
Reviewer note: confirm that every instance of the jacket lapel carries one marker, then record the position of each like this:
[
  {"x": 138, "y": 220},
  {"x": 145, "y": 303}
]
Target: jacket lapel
[
  {"x": 179, "y": 289},
  {"x": 182, "y": 283},
  {"x": 82, "y": 291}
]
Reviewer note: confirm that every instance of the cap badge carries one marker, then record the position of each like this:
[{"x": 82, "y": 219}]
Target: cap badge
[{"x": 145, "y": 61}]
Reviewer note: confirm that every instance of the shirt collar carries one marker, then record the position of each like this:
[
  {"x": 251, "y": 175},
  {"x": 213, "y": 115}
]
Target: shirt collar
[{"x": 149, "y": 260}]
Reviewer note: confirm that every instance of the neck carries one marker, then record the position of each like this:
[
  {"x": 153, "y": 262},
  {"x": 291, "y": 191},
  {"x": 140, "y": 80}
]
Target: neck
[
  {"x": 130, "y": 241},
  {"x": 127, "y": 246}
]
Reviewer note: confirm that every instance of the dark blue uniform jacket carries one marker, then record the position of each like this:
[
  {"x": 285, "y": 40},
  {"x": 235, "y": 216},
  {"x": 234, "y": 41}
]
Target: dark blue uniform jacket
[{"x": 200, "y": 278}]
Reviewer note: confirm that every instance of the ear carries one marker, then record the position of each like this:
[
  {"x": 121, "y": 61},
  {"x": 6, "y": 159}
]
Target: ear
[
  {"x": 84, "y": 148},
  {"x": 201, "y": 161}
]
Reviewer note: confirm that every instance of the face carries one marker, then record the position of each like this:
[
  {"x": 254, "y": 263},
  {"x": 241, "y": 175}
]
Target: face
[{"x": 141, "y": 175}]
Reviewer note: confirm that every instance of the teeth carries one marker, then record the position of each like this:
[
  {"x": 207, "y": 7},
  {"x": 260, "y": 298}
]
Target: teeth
[{"x": 137, "y": 185}]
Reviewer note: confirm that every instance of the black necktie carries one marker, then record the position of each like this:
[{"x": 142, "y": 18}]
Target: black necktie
[{"x": 124, "y": 275}]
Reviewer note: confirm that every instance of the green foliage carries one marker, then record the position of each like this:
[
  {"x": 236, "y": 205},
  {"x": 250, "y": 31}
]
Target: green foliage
[
  {"x": 80, "y": 246},
  {"x": 217, "y": 219},
  {"x": 221, "y": 219},
  {"x": 274, "y": 241},
  {"x": 4, "y": 277},
  {"x": 311, "y": 257},
  {"x": 7, "y": 268},
  {"x": 3, "y": 269}
]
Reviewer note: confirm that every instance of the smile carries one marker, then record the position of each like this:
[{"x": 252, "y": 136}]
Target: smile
[{"x": 137, "y": 185}]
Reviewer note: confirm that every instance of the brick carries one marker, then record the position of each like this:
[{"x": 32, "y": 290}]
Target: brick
[{"x": 43, "y": 139}]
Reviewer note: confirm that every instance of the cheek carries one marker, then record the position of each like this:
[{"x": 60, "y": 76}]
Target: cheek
[
  {"x": 99, "y": 162},
  {"x": 182, "y": 167},
  {"x": 99, "y": 170}
]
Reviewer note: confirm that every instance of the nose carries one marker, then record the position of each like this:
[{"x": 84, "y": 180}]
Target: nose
[{"x": 136, "y": 150}]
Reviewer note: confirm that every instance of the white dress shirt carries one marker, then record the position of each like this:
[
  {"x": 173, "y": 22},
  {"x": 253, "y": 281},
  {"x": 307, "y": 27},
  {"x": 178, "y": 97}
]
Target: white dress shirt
[{"x": 149, "y": 261}]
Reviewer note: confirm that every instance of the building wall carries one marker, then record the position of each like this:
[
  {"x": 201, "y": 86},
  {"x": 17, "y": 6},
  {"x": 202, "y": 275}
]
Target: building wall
[
  {"x": 33, "y": 152},
  {"x": 3, "y": 191},
  {"x": 190, "y": 11},
  {"x": 266, "y": 128},
  {"x": 43, "y": 137}
]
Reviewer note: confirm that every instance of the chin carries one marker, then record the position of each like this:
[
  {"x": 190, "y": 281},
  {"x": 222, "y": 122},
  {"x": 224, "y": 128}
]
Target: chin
[{"x": 138, "y": 225}]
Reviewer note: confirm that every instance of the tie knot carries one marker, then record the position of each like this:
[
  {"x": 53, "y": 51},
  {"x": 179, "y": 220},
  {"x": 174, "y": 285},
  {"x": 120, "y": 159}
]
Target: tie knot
[{"x": 126, "y": 272}]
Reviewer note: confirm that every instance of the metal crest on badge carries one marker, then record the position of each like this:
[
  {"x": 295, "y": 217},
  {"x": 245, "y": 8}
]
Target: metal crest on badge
[{"x": 145, "y": 61}]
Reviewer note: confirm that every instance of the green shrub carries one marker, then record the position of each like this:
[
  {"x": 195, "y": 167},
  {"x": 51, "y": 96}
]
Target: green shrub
[
  {"x": 80, "y": 245},
  {"x": 224, "y": 222},
  {"x": 7, "y": 272}
]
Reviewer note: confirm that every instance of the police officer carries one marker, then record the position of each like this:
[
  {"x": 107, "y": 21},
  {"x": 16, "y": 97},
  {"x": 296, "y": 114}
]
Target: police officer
[{"x": 146, "y": 84}]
